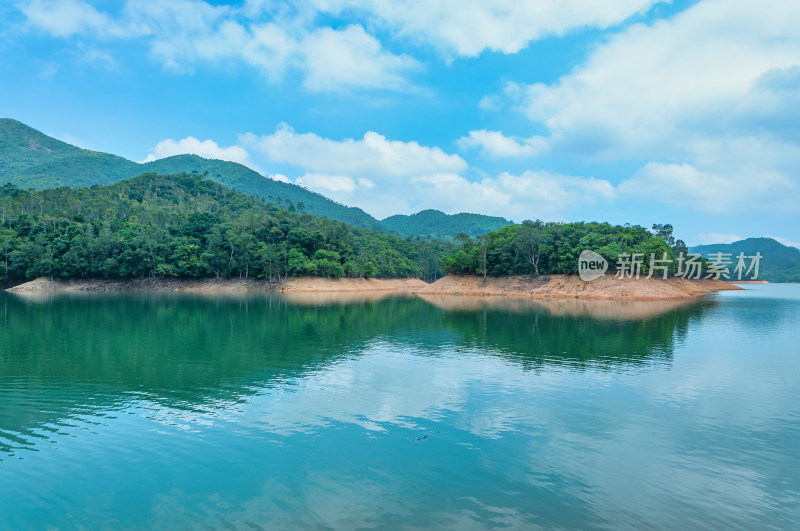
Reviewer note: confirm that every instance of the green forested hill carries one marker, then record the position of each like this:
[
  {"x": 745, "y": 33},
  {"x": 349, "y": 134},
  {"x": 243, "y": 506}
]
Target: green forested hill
[
  {"x": 245, "y": 180},
  {"x": 31, "y": 159},
  {"x": 535, "y": 247},
  {"x": 780, "y": 263},
  {"x": 436, "y": 224},
  {"x": 188, "y": 227}
]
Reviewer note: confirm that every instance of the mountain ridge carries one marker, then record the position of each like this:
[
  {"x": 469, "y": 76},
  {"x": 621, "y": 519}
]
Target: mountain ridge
[
  {"x": 436, "y": 224},
  {"x": 780, "y": 263},
  {"x": 32, "y": 159}
]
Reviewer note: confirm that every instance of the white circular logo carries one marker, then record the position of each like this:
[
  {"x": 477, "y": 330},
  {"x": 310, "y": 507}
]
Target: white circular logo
[{"x": 591, "y": 266}]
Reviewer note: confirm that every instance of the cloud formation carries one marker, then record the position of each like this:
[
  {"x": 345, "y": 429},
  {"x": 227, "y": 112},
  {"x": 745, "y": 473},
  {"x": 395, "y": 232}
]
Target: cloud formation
[
  {"x": 707, "y": 100},
  {"x": 65, "y": 18},
  {"x": 495, "y": 144},
  {"x": 181, "y": 33},
  {"x": 466, "y": 28},
  {"x": 371, "y": 156},
  {"x": 275, "y": 38},
  {"x": 205, "y": 148},
  {"x": 386, "y": 177}
]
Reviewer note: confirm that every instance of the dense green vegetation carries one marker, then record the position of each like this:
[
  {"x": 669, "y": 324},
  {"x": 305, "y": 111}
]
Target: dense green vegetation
[
  {"x": 535, "y": 247},
  {"x": 188, "y": 227},
  {"x": 780, "y": 263},
  {"x": 436, "y": 224},
  {"x": 245, "y": 180},
  {"x": 31, "y": 159}
]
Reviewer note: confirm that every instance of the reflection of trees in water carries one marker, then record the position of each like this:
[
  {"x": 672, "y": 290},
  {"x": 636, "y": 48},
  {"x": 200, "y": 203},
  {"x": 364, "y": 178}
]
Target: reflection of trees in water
[
  {"x": 542, "y": 334},
  {"x": 155, "y": 343},
  {"x": 69, "y": 356},
  {"x": 66, "y": 356}
]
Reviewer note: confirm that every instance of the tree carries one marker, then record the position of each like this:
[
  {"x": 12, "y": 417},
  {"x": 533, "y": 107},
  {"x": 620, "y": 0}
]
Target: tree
[
  {"x": 268, "y": 260},
  {"x": 328, "y": 264},
  {"x": 370, "y": 269},
  {"x": 665, "y": 233},
  {"x": 483, "y": 241},
  {"x": 529, "y": 243},
  {"x": 215, "y": 258},
  {"x": 296, "y": 262},
  {"x": 6, "y": 244}
]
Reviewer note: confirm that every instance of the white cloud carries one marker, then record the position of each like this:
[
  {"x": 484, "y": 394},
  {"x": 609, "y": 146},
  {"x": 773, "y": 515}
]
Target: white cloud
[
  {"x": 275, "y": 38},
  {"x": 181, "y": 33},
  {"x": 709, "y": 97},
  {"x": 64, "y": 18},
  {"x": 715, "y": 237},
  {"x": 496, "y": 144},
  {"x": 530, "y": 195},
  {"x": 784, "y": 241},
  {"x": 371, "y": 156},
  {"x": 651, "y": 82},
  {"x": 205, "y": 148},
  {"x": 556, "y": 192},
  {"x": 279, "y": 177},
  {"x": 684, "y": 184},
  {"x": 751, "y": 178},
  {"x": 386, "y": 177},
  {"x": 490, "y": 102},
  {"x": 468, "y": 27},
  {"x": 351, "y": 58},
  {"x": 327, "y": 183},
  {"x": 331, "y": 59}
]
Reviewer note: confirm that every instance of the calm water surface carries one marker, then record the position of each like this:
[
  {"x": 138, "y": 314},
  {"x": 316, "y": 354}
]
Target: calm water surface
[{"x": 168, "y": 412}]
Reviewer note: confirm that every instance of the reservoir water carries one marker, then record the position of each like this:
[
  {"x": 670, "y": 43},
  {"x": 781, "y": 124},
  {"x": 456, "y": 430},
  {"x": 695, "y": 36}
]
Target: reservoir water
[{"x": 163, "y": 411}]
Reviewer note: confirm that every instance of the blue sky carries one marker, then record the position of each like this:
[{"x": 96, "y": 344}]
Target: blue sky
[{"x": 629, "y": 111}]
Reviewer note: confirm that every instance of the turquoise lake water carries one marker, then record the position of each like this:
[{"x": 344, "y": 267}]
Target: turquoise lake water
[{"x": 154, "y": 411}]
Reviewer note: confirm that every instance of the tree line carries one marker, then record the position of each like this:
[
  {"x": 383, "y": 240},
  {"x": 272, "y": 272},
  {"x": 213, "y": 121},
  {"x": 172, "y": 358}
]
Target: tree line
[
  {"x": 540, "y": 248},
  {"x": 189, "y": 227}
]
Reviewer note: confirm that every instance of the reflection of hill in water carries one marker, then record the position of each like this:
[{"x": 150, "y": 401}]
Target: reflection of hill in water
[
  {"x": 620, "y": 310},
  {"x": 66, "y": 356},
  {"x": 562, "y": 333}
]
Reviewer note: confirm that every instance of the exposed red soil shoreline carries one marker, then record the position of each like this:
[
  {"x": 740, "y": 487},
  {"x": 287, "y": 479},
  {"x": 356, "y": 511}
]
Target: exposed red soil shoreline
[
  {"x": 547, "y": 287},
  {"x": 571, "y": 286}
]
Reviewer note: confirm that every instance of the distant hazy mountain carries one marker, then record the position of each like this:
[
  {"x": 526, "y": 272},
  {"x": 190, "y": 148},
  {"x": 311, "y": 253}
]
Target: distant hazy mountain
[
  {"x": 780, "y": 263},
  {"x": 31, "y": 159},
  {"x": 437, "y": 224}
]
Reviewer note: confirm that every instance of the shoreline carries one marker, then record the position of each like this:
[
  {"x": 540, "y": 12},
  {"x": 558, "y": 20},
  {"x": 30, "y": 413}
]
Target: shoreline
[
  {"x": 519, "y": 287},
  {"x": 219, "y": 285},
  {"x": 572, "y": 287}
]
